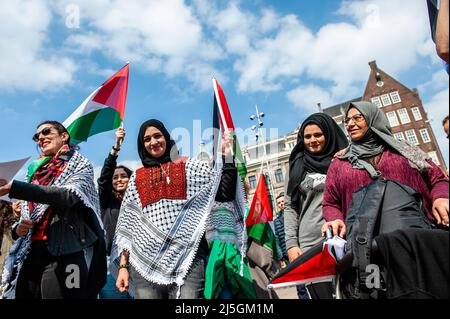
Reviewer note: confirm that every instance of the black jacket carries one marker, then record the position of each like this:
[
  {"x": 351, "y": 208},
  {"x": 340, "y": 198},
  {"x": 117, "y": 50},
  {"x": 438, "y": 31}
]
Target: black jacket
[
  {"x": 109, "y": 204},
  {"x": 72, "y": 226}
]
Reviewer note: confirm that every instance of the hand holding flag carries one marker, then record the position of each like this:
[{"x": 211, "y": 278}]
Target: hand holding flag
[
  {"x": 222, "y": 120},
  {"x": 228, "y": 146},
  {"x": 120, "y": 136}
]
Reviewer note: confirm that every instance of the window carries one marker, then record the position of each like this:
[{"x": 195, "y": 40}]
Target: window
[
  {"x": 392, "y": 117},
  {"x": 411, "y": 137},
  {"x": 434, "y": 158},
  {"x": 416, "y": 112},
  {"x": 376, "y": 100},
  {"x": 425, "y": 136},
  {"x": 395, "y": 97},
  {"x": 404, "y": 117},
  {"x": 252, "y": 181},
  {"x": 386, "y": 100},
  {"x": 279, "y": 175},
  {"x": 399, "y": 136}
]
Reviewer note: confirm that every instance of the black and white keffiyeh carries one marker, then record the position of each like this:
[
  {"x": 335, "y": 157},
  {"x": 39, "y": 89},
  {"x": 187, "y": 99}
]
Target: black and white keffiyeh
[
  {"x": 162, "y": 238},
  {"x": 77, "y": 177},
  {"x": 226, "y": 222}
]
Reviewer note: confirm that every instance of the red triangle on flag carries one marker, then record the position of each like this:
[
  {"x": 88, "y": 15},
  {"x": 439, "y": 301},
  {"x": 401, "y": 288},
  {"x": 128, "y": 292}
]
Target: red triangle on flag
[
  {"x": 226, "y": 122},
  {"x": 316, "y": 264},
  {"x": 260, "y": 210},
  {"x": 113, "y": 93}
]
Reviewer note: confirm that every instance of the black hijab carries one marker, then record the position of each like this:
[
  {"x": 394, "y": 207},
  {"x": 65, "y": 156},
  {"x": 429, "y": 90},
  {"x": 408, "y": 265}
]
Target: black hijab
[
  {"x": 302, "y": 161},
  {"x": 171, "y": 152}
]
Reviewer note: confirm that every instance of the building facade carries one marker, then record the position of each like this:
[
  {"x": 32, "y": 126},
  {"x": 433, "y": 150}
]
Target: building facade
[{"x": 402, "y": 106}]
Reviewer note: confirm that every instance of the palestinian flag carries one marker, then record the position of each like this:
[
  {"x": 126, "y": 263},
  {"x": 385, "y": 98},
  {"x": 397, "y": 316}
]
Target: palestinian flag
[
  {"x": 260, "y": 217},
  {"x": 102, "y": 111},
  {"x": 222, "y": 120},
  {"x": 316, "y": 264}
]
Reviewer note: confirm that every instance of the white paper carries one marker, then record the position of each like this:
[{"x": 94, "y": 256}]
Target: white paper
[{"x": 10, "y": 169}]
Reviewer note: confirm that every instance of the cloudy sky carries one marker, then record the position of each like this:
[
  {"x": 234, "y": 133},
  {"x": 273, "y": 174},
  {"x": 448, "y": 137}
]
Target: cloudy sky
[{"x": 284, "y": 56}]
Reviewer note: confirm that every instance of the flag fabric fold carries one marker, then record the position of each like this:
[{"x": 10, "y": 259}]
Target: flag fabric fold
[
  {"x": 222, "y": 120},
  {"x": 315, "y": 265},
  {"x": 259, "y": 218},
  {"x": 103, "y": 110}
]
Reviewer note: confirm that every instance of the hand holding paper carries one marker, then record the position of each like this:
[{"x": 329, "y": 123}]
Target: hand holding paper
[
  {"x": 3, "y": 182},
  {"x": 7, "y": 172},
  {"x": 5, "y": 188}
]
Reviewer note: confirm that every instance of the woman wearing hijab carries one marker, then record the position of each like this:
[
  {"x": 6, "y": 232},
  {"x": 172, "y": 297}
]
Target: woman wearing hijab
[
  {"x": 374, "y": 152},
  {"x": 159, "y": 250},
  {"x": 59, "y": 226},
  {"x": 319, "y": 138}
]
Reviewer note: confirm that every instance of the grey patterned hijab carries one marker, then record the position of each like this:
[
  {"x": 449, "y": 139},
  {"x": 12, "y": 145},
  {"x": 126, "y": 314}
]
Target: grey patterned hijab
[{"x": 377, "y": 139}]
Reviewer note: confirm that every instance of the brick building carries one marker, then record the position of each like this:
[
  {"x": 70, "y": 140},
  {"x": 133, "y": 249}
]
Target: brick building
[{"x": 402, "y": 106}]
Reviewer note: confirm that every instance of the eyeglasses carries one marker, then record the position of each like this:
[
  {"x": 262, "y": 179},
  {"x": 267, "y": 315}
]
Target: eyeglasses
[
  {"x": 356, "y": 118},
  {"x": 46, "y": 131}
]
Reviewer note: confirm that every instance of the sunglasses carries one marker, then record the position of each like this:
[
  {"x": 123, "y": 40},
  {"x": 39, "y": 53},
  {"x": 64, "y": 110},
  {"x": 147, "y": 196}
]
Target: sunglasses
[{"x": 46, "y": 131}]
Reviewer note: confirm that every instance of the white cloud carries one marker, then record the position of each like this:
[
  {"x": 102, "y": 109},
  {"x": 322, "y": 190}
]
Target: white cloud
[
  {"x": 272, "y": 50},
  {"x": 272, "y": 58},
  {"x": 268, "y": 50},
  {"x": 439, "y": 80},
  {"x": 164, "y": 36},
  {"x": 437, "y": 109},
  {"x": 25, "y": 62},
  {"x": 84, "y": 43},
  {"x": 306, "y": 98}
]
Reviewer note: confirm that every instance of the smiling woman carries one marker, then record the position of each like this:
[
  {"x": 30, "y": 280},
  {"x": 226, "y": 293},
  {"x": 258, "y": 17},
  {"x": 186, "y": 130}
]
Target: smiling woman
[
  {"x": 159, "y": 243},
  {"x": 59, "y": 224},
  {"x": 374, "y": 153},
  {"x": 112, "y": 184}
]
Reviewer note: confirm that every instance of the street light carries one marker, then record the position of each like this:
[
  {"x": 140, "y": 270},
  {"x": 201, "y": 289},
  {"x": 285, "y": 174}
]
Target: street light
[
  {"x": 256, "y": 129},
  {"x": 258, "y": 134}
]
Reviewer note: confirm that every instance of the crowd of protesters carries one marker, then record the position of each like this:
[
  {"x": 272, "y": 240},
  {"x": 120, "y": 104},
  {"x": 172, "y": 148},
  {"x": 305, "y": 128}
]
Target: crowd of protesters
[{"x": 155, "y": 233}]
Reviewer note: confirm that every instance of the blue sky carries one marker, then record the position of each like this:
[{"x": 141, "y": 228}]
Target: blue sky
[{"x": 284, "y": 56}]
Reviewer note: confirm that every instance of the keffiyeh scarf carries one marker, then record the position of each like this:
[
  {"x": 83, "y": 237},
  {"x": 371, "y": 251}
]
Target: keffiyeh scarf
[
  {"x": 77, "y": 177},
  {"x": 163, "y": 237},
  {"x": 226, "y": 222},
  {"x": 227, "y": 238}
]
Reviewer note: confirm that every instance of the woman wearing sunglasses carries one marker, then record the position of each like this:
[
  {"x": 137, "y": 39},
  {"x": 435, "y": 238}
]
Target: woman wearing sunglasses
[
  {"x": 374, "y": 152},
  {"x": 60, "y": 250}
]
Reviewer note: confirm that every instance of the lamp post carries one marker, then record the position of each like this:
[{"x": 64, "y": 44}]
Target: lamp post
[{"x": 257, "y": 129}]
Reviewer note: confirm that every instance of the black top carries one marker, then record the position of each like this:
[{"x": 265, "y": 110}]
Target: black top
[{"x": 109, "y": 204}]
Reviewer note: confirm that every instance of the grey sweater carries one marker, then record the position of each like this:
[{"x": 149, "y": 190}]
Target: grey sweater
[{"x": 303, "y": 229}]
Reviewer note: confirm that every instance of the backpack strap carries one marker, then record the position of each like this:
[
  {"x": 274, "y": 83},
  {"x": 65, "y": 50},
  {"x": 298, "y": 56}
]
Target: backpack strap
[{"x": 363, "y": 231}]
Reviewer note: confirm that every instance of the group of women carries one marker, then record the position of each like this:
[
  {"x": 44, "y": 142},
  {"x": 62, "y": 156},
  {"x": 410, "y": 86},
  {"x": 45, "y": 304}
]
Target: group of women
[{"x": 152, "y": 222}]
